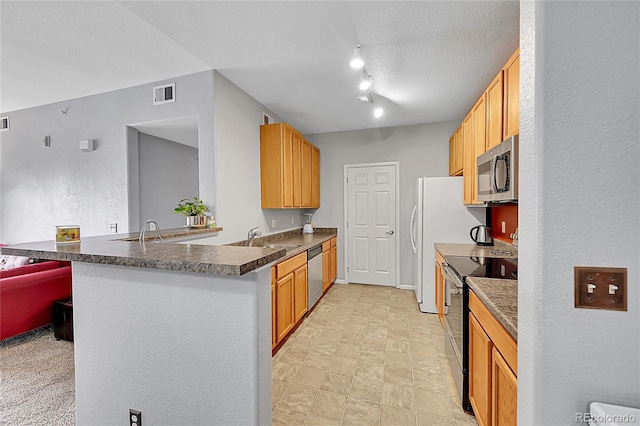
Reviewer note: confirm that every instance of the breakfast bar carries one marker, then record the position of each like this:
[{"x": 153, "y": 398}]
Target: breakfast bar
[{"x": 179, "y": 332}]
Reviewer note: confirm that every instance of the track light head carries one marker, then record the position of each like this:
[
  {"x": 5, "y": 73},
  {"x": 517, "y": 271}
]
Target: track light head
[{"x": 356, "y": 61}]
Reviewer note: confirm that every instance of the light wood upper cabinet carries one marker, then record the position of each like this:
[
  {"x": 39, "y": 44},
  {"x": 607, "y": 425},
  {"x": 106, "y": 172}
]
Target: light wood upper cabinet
[
  {"x": 315, "y": 177},
  {"x": 512, "y": 96},
  {"x": 469, "y": 159},
  {"x": 494, "y": 95},
  {"x": 456, "y": 153},
  {"x": 289, "y": 168}
]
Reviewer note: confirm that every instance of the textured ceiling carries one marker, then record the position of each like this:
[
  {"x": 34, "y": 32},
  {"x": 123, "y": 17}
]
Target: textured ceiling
[{"x": 429, "y": 60}]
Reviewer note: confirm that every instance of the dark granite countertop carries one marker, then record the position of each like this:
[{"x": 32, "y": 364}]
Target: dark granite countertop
[
  {"x": 501, "y": 298},
  {"x": 499, "y": 249},
  {"x": 118, "y": 249}
]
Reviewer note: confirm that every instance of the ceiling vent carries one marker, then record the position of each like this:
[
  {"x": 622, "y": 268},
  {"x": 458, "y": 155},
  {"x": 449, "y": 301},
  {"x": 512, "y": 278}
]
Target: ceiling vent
[
  {"x": 4, "y": 123},
  {"x": 164, "y": 94}
]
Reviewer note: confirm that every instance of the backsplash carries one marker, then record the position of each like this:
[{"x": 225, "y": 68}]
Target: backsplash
[{"x": 508, "y": 214}]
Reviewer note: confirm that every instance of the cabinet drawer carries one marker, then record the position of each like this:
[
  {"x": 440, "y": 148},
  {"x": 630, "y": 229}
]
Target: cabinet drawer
[
  {"x": 326, "y": 245},
  {"x": 290, "y": 265}
]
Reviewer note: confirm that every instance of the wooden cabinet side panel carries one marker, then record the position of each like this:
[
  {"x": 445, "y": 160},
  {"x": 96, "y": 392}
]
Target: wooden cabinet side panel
[
  {"x": 315, "y": 177},
  {"x": 469, "y": 159},
  {"x": 305, "y": 173},
  {"x": 494, "y": 112},
  {"x": 480, "y": 348},
  {"x": 284, "y": 302},
  {"x": 452, "y": 154},
  {"x": 512, "y": 97},
  {"x": 504, "y": 396},
  {"x": 334, "y": 264},
  {"x": 271, "y": 162},
  {"x": 300, "y": 292}
]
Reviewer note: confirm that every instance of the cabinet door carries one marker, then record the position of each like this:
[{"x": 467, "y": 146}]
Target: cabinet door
[
  {"x": 284, "y": 301},
  {"x": 334, "y": 263},
  {"x": 504, "y": 393},
  {"x": 494, "y": 112},
  {"x": 315, "y": 177},
  {"x": 297, "y": 170},
  {"x": 326, "y": 269},
  {"x": 300, "y": 293},
  {"x": 480, "y": 347},
  {"x": 305, "y": 173},
  {"x": 512, "y": 96},
  {"x": 288, "y": 177},
  {"x": 469, "y": 158},
  {"x": 479, "y": 140}
]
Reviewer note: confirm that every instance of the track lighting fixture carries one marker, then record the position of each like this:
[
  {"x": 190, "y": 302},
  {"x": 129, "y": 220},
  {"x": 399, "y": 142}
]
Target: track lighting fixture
[
  {"x": 365, "y": 80},
  {"x": 357, "y": 61}
]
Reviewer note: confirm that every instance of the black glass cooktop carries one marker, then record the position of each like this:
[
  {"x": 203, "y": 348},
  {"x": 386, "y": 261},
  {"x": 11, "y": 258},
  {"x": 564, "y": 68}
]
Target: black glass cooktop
[{"x": 487, "y": 267}]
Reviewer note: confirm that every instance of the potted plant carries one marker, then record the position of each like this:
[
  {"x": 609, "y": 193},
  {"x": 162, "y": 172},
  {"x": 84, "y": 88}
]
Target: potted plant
[{"x": 193, "y": 211}]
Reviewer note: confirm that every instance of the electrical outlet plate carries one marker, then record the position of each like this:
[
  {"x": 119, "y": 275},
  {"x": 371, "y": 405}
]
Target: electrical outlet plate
[
  {"x": 608, "y": 288},
  {"x": 135, "y": 417},
  {"x": 273, "y": 223}
]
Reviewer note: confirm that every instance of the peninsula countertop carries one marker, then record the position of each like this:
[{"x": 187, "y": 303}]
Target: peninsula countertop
[
  {"x": 499, "y": 249},
  {"x": 126, "y": 250}
]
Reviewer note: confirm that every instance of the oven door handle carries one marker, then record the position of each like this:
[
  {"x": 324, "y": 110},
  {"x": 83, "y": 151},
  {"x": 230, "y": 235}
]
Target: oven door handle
[{"x": 451, "y": 276}]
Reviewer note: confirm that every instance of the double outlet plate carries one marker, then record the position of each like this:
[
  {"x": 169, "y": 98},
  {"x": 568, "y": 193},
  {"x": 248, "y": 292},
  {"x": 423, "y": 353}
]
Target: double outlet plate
[{"x": 601, "y": 288}]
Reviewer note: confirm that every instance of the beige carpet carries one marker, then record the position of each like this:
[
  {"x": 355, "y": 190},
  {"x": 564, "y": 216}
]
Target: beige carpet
[{"x": 37, "y": 380}]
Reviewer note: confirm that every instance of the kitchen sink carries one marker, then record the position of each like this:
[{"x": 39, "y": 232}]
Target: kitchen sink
[{"x": 282, "y": 246}]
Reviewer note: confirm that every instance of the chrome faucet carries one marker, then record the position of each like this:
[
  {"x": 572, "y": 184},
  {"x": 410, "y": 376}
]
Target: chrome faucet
[
  {"x": 158, "y": 237},
  {"x": 252, "y": 234}
]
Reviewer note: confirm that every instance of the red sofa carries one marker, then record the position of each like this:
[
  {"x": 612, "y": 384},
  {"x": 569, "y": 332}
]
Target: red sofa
[{"x": 27, "y": 294}]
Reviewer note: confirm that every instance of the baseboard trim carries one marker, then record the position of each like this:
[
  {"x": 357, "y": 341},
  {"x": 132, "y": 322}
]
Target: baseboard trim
[{"x": 406, "y": 287}]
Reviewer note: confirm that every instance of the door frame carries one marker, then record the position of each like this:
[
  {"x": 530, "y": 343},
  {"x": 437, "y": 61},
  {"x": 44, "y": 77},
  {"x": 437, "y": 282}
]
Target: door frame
[{"x": 396, "y": 165}]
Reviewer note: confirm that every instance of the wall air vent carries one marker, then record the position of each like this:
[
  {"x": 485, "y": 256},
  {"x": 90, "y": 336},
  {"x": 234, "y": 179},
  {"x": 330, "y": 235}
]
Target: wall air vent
[
  {"x": 4, "y": 123},
  {"x": 266, "y": 119},
  {"x": 164, "y": 94}
]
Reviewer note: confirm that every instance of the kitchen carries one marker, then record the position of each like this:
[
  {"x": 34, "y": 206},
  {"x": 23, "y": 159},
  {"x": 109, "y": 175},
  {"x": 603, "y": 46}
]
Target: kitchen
[{"x": 548, "y": 249}]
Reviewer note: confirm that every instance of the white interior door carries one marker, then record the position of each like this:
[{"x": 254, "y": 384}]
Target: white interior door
[{"x": 371, "y": 224}]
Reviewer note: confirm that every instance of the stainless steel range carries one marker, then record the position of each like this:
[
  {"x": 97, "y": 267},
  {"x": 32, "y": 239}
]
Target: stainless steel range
[{"x": 457, "y": 269}]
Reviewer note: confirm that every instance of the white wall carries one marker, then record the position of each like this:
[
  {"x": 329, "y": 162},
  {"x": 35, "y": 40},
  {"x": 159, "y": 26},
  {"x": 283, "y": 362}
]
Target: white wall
[
  {"x": 579, "y": 205},
  {"x": 237, "y": 133},
  {"x": 181, "y": 347},
  {"x": 44, "y": 187},
  {"x": 168, "y": 172},
  {"x": 422, "y": 150}
]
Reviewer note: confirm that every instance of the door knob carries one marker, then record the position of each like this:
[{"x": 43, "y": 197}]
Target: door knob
[{"x": 390, "y": 232}]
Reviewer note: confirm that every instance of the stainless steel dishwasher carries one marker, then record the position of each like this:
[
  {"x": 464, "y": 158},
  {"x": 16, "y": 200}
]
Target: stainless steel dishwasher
[{"x": 314, "y": 280}]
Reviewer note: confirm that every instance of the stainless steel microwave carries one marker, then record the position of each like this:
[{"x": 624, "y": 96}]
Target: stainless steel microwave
[{"x": 498, "y": 172}]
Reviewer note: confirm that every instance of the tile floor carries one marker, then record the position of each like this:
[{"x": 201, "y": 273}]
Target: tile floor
[{"x": 366, "y": 356}]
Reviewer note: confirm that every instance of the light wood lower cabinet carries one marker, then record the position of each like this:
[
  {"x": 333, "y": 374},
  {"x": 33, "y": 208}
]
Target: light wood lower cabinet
[
  {"x": 290, "y": 287},
  {"x": 504, "y": 392},
  {"x": 329, "y": 262},
  {"x": 493, "y": 382},
  {"x": 440, "y": 290}
]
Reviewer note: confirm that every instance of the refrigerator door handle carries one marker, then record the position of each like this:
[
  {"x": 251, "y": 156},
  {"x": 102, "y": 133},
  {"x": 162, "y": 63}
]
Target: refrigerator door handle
[{"x": 412, "y": 226}]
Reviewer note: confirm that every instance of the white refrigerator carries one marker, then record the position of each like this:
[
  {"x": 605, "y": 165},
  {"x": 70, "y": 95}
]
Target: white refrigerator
[{"x": 439, "y": 216}]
